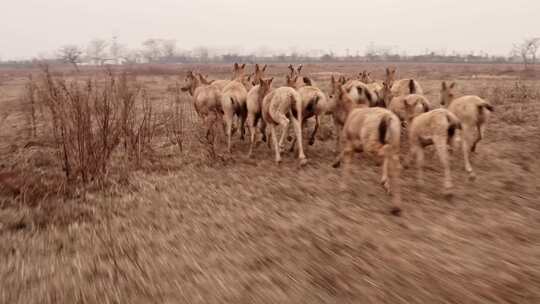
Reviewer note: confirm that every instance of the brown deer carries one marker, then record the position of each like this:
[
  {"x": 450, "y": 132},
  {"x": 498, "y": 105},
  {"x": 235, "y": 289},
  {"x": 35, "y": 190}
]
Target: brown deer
[
  {"x": 258, "y": 74},
  {"x": 279, "y": 107},
  {"x": 407, "y": 107},
  {"x": 341, "y": 104},
  {"x": 438, "y": 128},
  {"x": 233, "y": 102},
  {"x": 314, "y": 103},
  {"x": 402, "y": 86},
  {"x": 254, "y": 110},
  {"x": 207, "y": 99},
  {"x": 377, "y": 131},
  {"x": 473, "y": 113}
]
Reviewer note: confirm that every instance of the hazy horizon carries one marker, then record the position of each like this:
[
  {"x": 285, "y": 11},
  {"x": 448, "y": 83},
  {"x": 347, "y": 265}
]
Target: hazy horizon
[{"x": 32, "y": 27}]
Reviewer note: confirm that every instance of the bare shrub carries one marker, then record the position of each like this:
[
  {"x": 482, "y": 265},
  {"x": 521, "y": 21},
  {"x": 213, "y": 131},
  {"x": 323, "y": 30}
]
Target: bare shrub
[
  {"x": 71, "y": 54},
  {"x": 89, "y": 120},
  {"x": 515, "y": 101},
  {"x": 521, "y": 92},
  {"x": 175, "y": 123},
  {"x": 139, "y": 121}
]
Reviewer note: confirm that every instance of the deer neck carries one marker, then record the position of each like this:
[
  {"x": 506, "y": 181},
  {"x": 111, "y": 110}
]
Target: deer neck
[{"x": 347, "y": 104}]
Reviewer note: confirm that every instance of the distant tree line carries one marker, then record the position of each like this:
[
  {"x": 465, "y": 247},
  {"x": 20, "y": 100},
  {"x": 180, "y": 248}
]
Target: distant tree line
[{"x": 101, "y": 52}]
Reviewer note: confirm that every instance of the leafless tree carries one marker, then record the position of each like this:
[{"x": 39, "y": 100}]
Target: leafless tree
[
  {"x": 71, "y": 54},
  {"x": 377, "y": 52},
  {"x": 527, "y": 50},
  {"x": 151, "y": 49},
  {"x": 132, "y": 57},
  {"x": 168, "y": 48},
  {"x": 116, "y": 50},
  {"x": 202, "y": 53},
  {"x": 96, "y": 50}
]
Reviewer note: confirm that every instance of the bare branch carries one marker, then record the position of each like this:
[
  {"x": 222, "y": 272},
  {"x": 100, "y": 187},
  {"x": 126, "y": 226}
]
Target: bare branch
[{"x": 70, "y": 54}]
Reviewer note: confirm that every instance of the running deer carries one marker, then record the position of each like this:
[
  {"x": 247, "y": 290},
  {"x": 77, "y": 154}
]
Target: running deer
[
  {"x": 314, "y": 103},
  {"x": 438, "y": 128},
  {"x": 376, "y": 131},
  {"x": 402, "y": 86},
  {"x": 233, "y": 102},
  {"x": 207, "y": 99},
  {"x": 280, "y": 107},
  {"x": 473, "y": 112},
  {"x": 254, "y": 110}
]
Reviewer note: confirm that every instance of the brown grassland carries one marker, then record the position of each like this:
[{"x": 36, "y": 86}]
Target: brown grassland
[{"x": 192, "y": 225}]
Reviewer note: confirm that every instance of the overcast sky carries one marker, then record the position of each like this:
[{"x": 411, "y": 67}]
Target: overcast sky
[{"x": 31, "y": 27}]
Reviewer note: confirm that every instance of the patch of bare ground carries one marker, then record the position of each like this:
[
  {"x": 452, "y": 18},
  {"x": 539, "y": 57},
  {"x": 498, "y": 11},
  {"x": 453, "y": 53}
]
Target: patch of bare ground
[{"x": 184, "y": 228}]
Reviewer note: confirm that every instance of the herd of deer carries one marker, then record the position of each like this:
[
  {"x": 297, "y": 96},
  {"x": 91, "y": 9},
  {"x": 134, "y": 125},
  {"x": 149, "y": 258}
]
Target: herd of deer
[{"x": 368, "y": 116}]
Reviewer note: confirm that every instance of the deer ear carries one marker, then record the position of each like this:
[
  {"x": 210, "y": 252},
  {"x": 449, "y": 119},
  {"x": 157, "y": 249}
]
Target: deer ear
[
  {"x": 452, "y": 85},
  {"x": 299, "y": 69},
  {"x": 270, "y": 81},
  {"x": 443, "y": 85},
  {"x": 243, "y": 66},
  {"x": 256, "y": 67},
  {"x": 426, "y": 106},
  {"x": 264, "y": 68}
]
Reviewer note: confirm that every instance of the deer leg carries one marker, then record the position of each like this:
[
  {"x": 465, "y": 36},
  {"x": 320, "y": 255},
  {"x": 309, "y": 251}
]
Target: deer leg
[
  {"x": 284, "y": 123},
  {"x": 466, "y": 142},
  {"x": 315, "y": 129},
  {"x": 347, "y": 154},
  {"x": 252, "y": 131},
  {"x": 297, "y": 124},
  {"x": 442, "y": 152}
]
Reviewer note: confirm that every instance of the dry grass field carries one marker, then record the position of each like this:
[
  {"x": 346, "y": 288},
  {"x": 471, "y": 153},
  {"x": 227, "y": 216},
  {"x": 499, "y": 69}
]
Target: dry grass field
[{"x": 188, "y": 226}]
